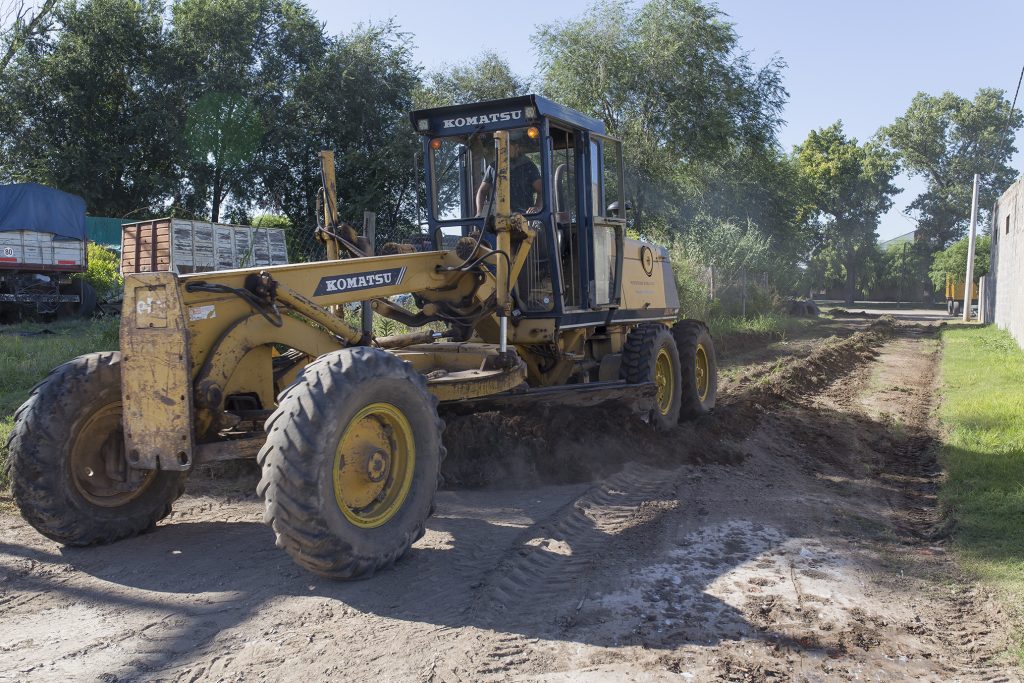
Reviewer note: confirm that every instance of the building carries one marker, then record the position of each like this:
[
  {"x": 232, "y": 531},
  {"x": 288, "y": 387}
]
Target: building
[{"x": 1004, "y": 285}]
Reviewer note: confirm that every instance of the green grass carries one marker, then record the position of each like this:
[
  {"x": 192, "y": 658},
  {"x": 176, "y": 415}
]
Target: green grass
[
  {"x": 27, "y": 357},
  {"x": 983, "y": 453},
  {"x": 764, "y": 323}
]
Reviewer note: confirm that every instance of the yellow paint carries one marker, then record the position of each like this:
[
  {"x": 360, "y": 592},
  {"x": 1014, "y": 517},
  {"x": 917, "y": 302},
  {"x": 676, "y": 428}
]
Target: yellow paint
[
  {"x": 374, "y": 465},
  {"x": 664, "y": 380},
  {"x": 702, "y": 372}
]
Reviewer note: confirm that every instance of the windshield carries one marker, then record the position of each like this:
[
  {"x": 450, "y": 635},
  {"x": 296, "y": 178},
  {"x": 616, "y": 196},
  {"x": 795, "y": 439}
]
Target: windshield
[{"x": 463, "y": 173}]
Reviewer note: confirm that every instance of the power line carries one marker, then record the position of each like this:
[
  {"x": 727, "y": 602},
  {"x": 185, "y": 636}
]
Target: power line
[{"x": 1014, "y": 105}]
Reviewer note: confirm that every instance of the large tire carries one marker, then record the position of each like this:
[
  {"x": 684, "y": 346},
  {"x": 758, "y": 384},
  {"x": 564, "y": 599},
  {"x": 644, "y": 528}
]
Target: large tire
[
  {"x": 68, "y": 472},
  {"x": 351, "y": 415},
  {"x": 650, "y": 355},
  {"x": 700, "y": 369},
  {"x": 958, "y": 308}
]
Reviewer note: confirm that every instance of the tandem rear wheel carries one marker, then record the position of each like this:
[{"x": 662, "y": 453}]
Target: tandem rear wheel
[
  {"x": 351, "y": 463},
  {"x": 680, "y": 362}
]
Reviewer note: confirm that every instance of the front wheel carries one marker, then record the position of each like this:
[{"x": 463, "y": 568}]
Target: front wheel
[
  {"x": 69, "y": 475},
  {"x": 351, "y": 463},
  {"x": 700, "y": 369}
]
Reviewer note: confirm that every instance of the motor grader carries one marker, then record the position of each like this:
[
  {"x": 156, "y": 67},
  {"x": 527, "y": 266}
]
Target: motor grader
[{"x": 530, "y": 293}]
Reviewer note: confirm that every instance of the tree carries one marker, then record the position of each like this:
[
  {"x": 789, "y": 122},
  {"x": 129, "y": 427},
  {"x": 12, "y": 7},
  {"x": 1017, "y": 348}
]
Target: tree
[
  {"x": 488, "y": 77},
  {"x": 19, "y": 24},
  {"x": 895, "y": 273},
  {"x": 946, "y": 140},
  {"x": 369, "y": 131},
  {"x": 226, "y": 56},
  {"x": 87, "y": 107},
  {"x": 729, "y": 247},
  {"x": 953, "y": 261},
  {"x": 851, "y": 187},
  {"x": 670, "y": 79}
]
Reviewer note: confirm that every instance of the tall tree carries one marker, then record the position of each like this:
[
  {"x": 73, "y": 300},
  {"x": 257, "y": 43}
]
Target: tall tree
[
  {"x": 87, "y": 107},
  {"x": 670, "y": 79},
  {"x": 216, "y": 51},
  {"x": 946, "y": 140},
  {"x": 851, "y": 187},
  {"x": 355, "y": 100},
  {"x": 20, "y": 22},
  {"x": 488, "y": 77}
]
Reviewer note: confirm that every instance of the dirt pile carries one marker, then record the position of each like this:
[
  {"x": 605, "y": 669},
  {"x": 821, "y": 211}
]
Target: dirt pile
[
  {"x": 530, "y": 447},
  {"x": 559, "y": 446},
  {"x": 792, "y": 378}
]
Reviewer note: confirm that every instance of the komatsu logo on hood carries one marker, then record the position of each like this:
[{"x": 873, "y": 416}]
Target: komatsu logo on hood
[
  {"x": 336, "y": 284},
  {"x": 483, "y": 118}
]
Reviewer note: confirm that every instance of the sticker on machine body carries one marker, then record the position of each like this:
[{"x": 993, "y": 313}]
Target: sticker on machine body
[
  {"x": 202, "y": 312},
  {"x": 353, "y": 282}
]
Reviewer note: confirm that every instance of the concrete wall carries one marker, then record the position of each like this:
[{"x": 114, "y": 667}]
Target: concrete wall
[{"x": 1004, "y": 295}]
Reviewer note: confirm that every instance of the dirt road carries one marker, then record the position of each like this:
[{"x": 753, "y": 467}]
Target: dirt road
[{"x": 791, "y": 536}]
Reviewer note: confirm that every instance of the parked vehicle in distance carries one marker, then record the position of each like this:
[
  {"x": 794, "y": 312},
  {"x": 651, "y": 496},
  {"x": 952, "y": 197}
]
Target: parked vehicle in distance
[{"x": 42, "y": 245}]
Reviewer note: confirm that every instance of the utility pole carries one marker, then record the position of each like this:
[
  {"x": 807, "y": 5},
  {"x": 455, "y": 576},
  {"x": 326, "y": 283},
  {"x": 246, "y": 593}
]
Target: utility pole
[{"x": 968, "y": 284}]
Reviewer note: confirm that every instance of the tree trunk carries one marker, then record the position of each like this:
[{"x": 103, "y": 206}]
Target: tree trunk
[
  {"x": 215, "y": 212},
  {"x": 851, "y": 283}
]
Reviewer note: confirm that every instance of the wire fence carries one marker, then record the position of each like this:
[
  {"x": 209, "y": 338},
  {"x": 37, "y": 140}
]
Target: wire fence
[{"x": 706, "y": 290}]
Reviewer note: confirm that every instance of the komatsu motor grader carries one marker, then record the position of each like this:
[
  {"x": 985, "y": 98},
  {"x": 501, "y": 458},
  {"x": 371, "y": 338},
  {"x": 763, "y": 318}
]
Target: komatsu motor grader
[{"x": 528, "y": 293}]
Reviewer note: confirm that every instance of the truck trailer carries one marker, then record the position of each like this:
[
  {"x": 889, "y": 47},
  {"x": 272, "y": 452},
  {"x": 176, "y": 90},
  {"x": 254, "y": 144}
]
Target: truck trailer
[{"x": 42, "y": 246}]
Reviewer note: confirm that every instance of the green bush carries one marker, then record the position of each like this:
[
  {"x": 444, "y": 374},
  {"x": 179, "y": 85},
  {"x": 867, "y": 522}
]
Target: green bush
[
  {"x": 102, "y": 272},
  {"x": 694, "y": 299}
]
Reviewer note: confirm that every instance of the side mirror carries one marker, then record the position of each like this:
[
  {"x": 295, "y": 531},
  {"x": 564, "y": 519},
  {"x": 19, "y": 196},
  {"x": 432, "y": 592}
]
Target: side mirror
[{"x": 613, "y": 209}]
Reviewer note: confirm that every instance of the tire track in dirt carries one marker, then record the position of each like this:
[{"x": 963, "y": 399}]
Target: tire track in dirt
[
  {"x": 552, "y": 559},
  {"x": 552, "y": 563}
]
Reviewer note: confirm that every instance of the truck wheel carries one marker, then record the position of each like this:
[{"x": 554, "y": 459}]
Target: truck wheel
[
  {"x": 958, "y": 308},
  {"x": 650, "y": 355},
  {"x": 69, "y": 475},
  {"x": 700, "y": 369},
  {"x": 351, "y": 463}
]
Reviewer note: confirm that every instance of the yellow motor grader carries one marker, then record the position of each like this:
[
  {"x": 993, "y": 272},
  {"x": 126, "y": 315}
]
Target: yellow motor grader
[{"x": 526, "y": 290}]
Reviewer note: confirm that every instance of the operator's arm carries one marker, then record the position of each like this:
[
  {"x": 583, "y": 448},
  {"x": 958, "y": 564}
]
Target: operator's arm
[
  {"x": 538, "y": 189},
  {"x": 533, "y": 177},
  {"x": 483, "y": 192}
]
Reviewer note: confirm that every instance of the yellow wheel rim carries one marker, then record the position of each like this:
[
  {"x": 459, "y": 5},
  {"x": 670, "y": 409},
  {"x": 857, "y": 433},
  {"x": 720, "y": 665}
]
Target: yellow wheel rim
[
  {"x": 663, "y": 380},
  {"x": 701, "y": 372},
  {"x": 97, "y": 463},
  {"x": 373, "y": 465}
]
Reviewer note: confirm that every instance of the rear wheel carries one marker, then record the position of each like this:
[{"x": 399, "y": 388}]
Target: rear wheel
[
  {"x": 650, "y": 355},
  {"x": 958, "y": 308},
  {"x": 351, "y": 463},
  {"x": 69, "y": 475},
  {"x": 700, "y": 369}
]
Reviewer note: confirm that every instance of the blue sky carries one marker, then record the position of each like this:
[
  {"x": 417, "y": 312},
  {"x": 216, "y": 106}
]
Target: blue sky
[{"x": 857, "y": 60}]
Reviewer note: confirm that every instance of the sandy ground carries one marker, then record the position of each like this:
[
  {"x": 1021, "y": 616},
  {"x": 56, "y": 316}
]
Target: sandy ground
[{"x": 792, "y": 535}]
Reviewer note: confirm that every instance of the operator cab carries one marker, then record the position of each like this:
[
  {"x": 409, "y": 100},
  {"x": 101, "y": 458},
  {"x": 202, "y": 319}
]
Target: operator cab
[{"x": 565, "y": 178}]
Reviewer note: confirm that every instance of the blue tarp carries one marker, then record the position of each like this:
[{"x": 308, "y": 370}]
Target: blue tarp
[{"x": 30, "y": 206}]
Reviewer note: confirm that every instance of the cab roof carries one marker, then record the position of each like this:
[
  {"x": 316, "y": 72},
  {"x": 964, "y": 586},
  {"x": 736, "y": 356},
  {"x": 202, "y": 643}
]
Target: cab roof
[{"x": 497, "y": 114}]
